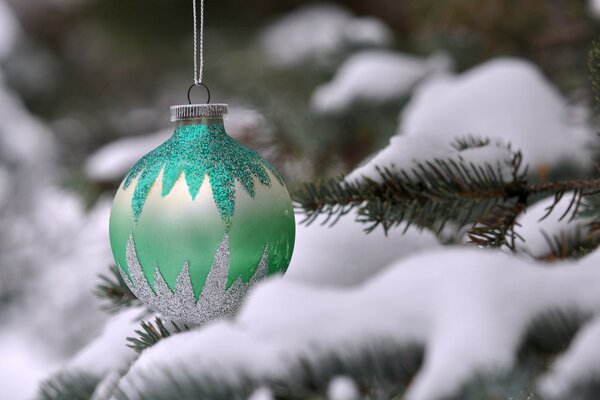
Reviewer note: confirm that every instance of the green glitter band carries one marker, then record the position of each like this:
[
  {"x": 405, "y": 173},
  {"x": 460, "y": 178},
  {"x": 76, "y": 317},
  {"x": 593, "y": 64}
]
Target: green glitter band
[{"x": 197, "y": 150}]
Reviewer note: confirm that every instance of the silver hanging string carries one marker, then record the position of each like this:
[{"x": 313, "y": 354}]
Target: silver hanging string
[{"x": 198, "y": 44}]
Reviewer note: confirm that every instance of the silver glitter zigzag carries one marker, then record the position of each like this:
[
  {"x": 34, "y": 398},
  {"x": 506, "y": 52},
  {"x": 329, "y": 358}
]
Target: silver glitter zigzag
[{"x": 215, "y": 300}]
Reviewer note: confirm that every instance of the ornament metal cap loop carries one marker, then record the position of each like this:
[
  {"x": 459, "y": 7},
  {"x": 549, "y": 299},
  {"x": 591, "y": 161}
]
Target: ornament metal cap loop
[{"x": 198, "y": 111}]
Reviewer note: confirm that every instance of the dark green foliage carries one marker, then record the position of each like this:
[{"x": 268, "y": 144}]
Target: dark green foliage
[
  {"x": 429, "y": 195},
  {"x": 114, "y": 290},
  {"x": 150, "y": 334},
  {"x": 587, "y": 389},
  {"x": 67, "y": 386},
  {"x": 594, "y": 66}
]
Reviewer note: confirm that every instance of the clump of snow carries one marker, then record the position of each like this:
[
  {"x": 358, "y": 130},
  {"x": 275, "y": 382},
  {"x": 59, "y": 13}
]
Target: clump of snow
[
  {"x": 404, "y": 153},
  {"x": 261, "y": 394},
  {"x": 342, "y": 388},
  {"x": 109, "y": 352},
  {"x": 318, "y": 31},
  {"x": 367, "y": 31},
  {"x": 463, "y": 304},
  {"x": 247, "y": 125},
  {"x": 503, "y": 99},
  {"x": 344, "y": 255},
  {"x": 111, "y": 162},
  {"x": 536, "y": 232},
  {"x": 375, "y": 76}
]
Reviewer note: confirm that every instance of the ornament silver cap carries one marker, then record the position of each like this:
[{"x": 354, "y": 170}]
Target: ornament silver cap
[{"x": 198, "y": 111}]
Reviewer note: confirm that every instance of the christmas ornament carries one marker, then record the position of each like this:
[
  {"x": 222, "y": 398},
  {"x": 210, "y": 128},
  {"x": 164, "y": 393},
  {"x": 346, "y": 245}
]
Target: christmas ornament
[{"x": 200, "y": 219}]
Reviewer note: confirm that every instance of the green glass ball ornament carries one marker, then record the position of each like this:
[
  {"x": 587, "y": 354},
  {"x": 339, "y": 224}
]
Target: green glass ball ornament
[{"x": 199, "y": 220}]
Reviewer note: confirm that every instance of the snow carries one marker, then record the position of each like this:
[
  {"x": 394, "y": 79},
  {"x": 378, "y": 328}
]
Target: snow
[
  {"x": 534, "y": 231},
  {"x": 342, "y": 388},
  {"x": 506, "y": 99},
  {"x": 112, "y": 162},
  {"x": 404, "y": 153},
  {"x": 59, "y": 248},
  {"x": 5, "y": 186},
  {"x": 50, "y": 248},
  {"x": 375, "y": 76},
  {"x": 261, "y": 394},
  {"x": 463, "y": 304},
  {"x": 64, "y": 251},
  {"x": 594, "y": 8},
  {"x": 317, "y": 32},
  {"x": 580, "y": 363},
  {"x": 23, "y": 364},
  {"x": 344, "y": 255},
  {"x": 105, "y": 357},
  {"x": 35, "y": 144},
  {"x": 10, "y": 30},
  {"x": 368, "y": 31},
  {"x": 109, "y": 352}
]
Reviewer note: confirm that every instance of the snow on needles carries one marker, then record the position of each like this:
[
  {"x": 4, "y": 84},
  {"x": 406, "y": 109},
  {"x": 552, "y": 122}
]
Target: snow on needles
[
  {"x": 405, "y": 153},
  {"x": 504, "y": 99},
  {"x": 463, "y": 304},
  {"x": 375, "y": 76}
]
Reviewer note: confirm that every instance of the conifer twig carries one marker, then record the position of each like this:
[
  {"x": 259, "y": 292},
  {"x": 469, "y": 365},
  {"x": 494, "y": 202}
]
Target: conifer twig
[
  {"x": 433, "y": 193},
  {"x": 114, "y": 290}
]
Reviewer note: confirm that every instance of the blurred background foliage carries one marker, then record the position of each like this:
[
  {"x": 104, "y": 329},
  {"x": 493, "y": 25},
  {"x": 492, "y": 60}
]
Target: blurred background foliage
[{"x": 101, "y": 70}]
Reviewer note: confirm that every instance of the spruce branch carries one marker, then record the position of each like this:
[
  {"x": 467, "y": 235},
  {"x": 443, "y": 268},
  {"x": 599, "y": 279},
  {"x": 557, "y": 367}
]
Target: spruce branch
[
  {"x": 151, "y": 333},
  {"x": 436, "y": 192},
  {"x": 497, "y": 228},
  {"x": 113, "y": 289},
  {"x": 561, "y": 246},
  {"x": 381, "y": 370}
]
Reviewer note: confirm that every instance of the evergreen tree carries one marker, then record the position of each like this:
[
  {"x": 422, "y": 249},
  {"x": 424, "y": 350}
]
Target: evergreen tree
[{"x": 483, "y": 201}]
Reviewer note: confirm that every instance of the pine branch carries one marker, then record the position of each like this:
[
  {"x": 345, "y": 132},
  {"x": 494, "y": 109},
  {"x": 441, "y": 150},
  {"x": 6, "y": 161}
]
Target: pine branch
[
  {"x": 151, "y": 334},
  {"x": 436, "y": 192},
  {"x": 115, "y": 292}
]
